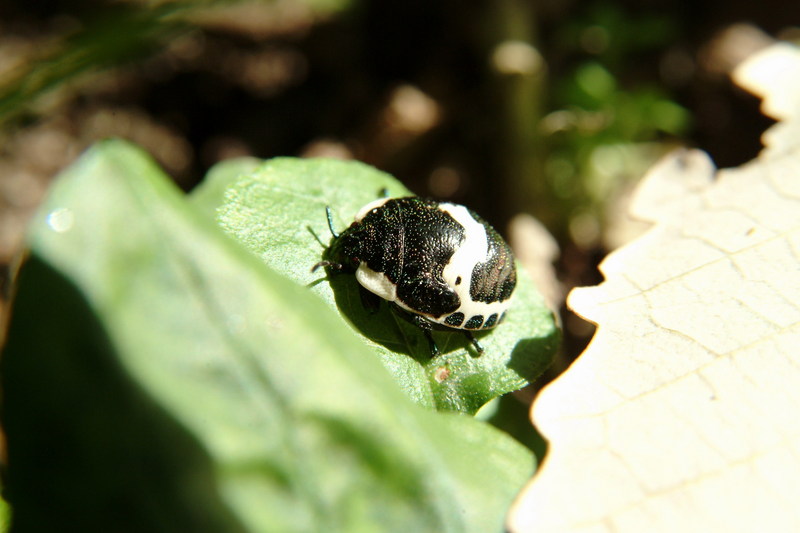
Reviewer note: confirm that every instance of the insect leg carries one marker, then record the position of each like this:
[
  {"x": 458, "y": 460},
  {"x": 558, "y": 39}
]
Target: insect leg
[
  {"x": 468, "y": 334},
  {"x": 425, "y": 326}
]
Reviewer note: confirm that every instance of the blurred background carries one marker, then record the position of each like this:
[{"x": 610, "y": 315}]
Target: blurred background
[{"x": 550, "y": 109}]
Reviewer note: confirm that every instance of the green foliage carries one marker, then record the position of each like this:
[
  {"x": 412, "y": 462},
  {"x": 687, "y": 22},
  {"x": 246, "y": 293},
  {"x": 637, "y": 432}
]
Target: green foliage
[
  {"x": 113, "y": 36},
  {"x": 608, "y": 119},
  {"x": 278, "y": 212},
  {"x": 159, "y": 377},
  {"x": 560, "y": 145},
  {"x": 118, "y": 36},
  {"x": 5, "y": 515}
]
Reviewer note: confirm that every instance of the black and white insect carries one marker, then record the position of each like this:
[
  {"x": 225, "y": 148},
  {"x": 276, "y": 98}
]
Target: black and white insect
[{"x": 438, "y": 264}]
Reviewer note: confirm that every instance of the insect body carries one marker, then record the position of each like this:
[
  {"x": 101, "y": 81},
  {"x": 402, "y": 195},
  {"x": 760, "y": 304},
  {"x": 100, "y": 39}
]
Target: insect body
[{"x": 439, "y": 264}]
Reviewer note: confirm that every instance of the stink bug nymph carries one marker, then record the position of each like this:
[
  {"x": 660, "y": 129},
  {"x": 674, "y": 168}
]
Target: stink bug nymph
[{"x": 438, "y": 264}]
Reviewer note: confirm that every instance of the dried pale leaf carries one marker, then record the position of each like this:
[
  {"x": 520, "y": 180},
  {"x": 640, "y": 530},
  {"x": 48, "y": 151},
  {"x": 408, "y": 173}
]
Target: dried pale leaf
[
  {"x": 776, "y": 72},
  {"x": 682, "y": 415}
]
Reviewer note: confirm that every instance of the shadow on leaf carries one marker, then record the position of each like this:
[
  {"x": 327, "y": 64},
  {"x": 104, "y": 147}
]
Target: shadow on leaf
[
  {"x": 388, "y": 328},
  {"x": 528, "y": 367},
  {"x": 88, "y": 449}
]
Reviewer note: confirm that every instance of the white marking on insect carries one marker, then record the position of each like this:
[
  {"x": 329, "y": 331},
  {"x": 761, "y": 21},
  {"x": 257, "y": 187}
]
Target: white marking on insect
[
  {"x": 364, "y": 211},
  {"x": 474, "y": 250},
  {"x": 376, "y": 282}
]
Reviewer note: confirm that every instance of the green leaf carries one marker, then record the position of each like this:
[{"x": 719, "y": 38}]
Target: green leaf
[
  {"x": 5, "y": 515},
  {"x": 206, "y": 196},
  {"x": 278, "y": 211},
  {"x": 158, "y": 377}
]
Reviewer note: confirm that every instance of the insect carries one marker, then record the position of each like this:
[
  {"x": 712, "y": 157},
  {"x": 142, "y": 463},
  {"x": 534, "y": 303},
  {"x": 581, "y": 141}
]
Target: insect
[{"x": 439, "y": 265}]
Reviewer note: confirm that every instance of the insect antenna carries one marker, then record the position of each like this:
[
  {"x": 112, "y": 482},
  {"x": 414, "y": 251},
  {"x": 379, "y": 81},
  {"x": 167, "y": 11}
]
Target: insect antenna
[
  {"x": 336, "y": 266},
  {"x": 330, "y": 221}
]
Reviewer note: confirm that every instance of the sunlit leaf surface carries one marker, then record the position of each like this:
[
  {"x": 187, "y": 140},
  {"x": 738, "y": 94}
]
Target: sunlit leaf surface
[
  {"x": 278, "y": 211},
  {"x": 159, "y": 377}
]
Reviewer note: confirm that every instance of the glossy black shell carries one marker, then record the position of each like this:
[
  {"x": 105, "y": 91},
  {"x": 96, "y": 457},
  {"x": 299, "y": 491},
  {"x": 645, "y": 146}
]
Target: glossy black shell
[{"x": 437, "y": 260}]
